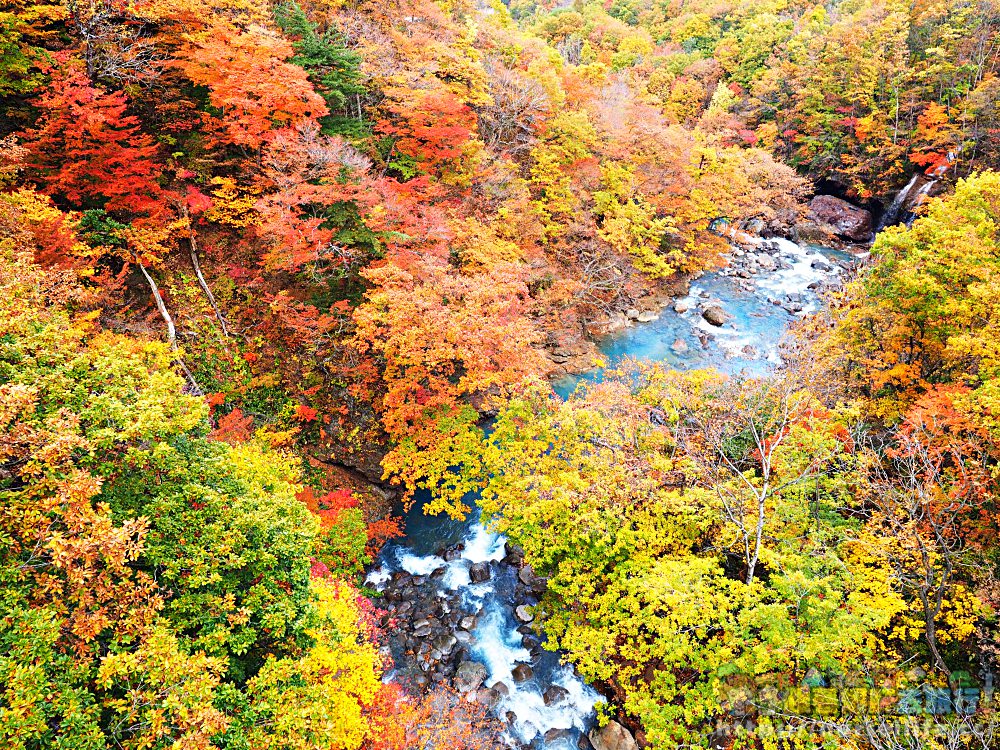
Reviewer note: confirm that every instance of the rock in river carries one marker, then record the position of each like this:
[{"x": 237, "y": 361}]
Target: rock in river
[
  {"x": 715, "y": 315},
  {"x": 522, "y": 672},
  {"x": 523, "y": 613},
  {"x": 479, "y": 572},
  {"x": 554, "y": 694},
  {"x": 469, "y": 676}
]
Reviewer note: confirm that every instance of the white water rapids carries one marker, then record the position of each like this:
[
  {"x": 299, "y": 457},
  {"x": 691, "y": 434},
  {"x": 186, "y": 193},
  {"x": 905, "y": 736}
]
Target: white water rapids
[{"x": 498, "y": 644}]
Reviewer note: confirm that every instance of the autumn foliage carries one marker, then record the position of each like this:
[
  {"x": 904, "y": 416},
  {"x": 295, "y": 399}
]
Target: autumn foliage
[{"x": 269, "y": 268}]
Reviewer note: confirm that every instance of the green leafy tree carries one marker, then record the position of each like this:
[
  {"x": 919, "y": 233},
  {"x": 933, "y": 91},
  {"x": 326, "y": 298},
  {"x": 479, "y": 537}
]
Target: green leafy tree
[{"x": 333, "y": 68}]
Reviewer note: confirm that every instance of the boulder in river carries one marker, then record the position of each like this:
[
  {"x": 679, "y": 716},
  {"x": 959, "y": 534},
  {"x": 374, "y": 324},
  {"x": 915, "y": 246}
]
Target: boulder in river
[
  {"x": 647, "y": 317},
  {"x": 469, "y": 676},
  {"x": 715, "y": 315},
  {"x": 848, "y": 221},
  {"x": 522, "y": 672},
  {"x": 479, "y": 572},
  {"x": 557, "y": 734},
  {"x": 554, "y": 694},
  {"x": 523, "y": 613},
  {"x": 468, "y": 623},
  {"x": 612, "y": 736}
]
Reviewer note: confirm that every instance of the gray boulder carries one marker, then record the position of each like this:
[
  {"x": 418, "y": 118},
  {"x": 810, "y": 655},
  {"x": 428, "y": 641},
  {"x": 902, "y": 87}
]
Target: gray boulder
[
  {"x": 612, "y": 736},
  {"x": 469, "y": 676}
]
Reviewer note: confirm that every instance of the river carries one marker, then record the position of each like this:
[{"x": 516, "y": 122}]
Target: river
[{"x": 454, "y": 619}]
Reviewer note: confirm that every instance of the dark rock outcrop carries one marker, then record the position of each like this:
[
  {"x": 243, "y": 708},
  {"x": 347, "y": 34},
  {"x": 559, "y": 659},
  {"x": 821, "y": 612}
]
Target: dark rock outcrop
[{"x": 831, "y": 218}]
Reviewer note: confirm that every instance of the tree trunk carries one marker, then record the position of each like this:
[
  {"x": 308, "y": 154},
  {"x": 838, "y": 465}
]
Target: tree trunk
[
  {"x": 162, "y": 307},
  {"x": 193, "y": 246},
  {"x": 171, "y": 330}
]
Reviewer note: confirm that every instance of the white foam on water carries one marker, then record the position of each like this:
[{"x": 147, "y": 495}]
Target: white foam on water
[
  {"x": 378, "y": 577},
  {"x": 730, "y": 340},
  {"x": 480, "y": 546},
  {"x": 499, "y": 648},
  {"x": 534, "y": 718},
  {"x": 483, "y": 545},
  {"x": 416, "y": 565},
  {"x": 456, "y": 575},
  {"x": 797, "y": 278}
]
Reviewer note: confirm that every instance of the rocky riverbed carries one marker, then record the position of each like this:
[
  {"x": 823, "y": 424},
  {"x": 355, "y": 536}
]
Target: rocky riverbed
[
  {"x": 733, "y": 319},
  {"x": 462, "y": 617}
]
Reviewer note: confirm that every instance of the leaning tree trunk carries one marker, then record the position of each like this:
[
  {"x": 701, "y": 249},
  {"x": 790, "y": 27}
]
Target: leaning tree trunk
[
  {"x": 193, "y": 246},
  {"x": 171, "y": 329}
]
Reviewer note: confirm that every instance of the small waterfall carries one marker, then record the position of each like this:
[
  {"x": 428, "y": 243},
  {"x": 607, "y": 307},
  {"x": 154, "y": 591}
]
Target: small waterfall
[
  {"x": 914, "y": 194},
  {"x": 891, "y": 215}
]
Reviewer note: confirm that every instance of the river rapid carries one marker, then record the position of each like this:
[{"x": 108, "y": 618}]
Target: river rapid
[{"x": 454, "y": 592}]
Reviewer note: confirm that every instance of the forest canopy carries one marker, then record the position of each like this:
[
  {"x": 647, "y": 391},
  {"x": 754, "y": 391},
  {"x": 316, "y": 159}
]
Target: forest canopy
[{"x": 272, "y": 271}]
